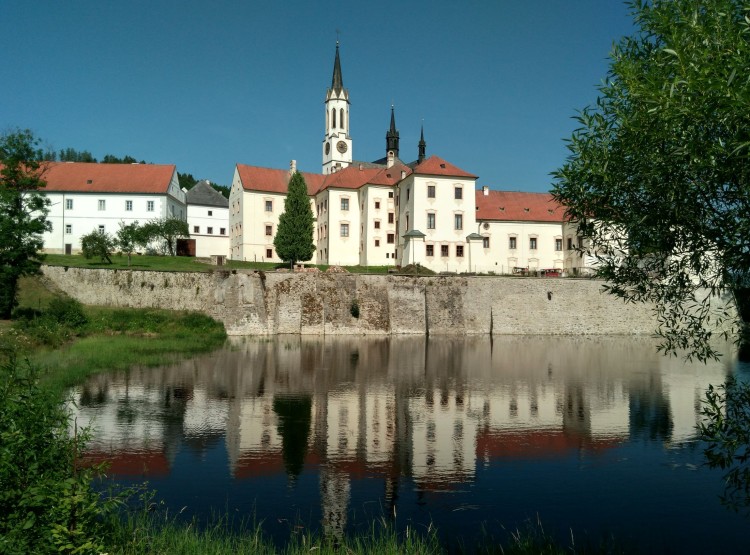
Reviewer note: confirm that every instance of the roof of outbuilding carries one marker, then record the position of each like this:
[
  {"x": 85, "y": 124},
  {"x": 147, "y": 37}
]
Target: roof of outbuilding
[
  {"x": 517, "y": 206},
  {"x": 87, "y": 177},
  {"x": 204, "y": 195}
]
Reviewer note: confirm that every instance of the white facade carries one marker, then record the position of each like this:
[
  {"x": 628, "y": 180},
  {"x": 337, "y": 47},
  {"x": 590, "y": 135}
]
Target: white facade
[
  {"x": 102, "y": 201},
  {"x": 209, "y": 226}
]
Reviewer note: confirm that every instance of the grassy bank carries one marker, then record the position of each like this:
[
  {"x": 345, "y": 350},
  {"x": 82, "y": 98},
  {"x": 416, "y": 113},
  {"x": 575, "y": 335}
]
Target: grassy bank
[{"x": 182, "y": 264}]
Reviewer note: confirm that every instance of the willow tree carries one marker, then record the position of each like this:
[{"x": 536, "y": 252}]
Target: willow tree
[
  {"x": 23, "y": 214},
  {"x": 294, "y": 234},
  {"x": 657, "y": 176}
]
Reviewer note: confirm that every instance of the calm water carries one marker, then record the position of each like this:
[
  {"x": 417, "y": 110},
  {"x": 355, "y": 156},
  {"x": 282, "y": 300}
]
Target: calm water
[{"x": 590, "y": 435}]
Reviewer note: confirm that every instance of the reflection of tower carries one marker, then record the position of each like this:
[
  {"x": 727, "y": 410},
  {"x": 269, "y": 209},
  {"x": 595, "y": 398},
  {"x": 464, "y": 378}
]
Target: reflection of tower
[
  {"x": 650, "y": 414},
  {"x": 335, "y": 491},
  {"x": 576, "y": 411}
]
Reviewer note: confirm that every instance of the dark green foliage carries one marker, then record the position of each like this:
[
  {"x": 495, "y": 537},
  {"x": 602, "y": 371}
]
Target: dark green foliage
[
  {"x": 294, "y": 235},
  {"x": 726, "y": 429},
  {"x": 111, "y": 159},
  {"x": 67, "y": 311},
  {"x": 98, "y": 244},
  {"x": 47, "y": 504},
  {"x": 73, "y": 155},
  {"x": 186, "y": 180},
  {"x": 166, "y": 231},
  {"x": 23, "y": 214},
  {"x": 131, "y": 236},
  {"x": 658, "y": 171}
]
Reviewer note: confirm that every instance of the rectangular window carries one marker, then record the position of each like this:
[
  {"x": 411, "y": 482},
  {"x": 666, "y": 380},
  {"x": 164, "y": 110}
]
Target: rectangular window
[
  {"x": 171, "y": 210},
  {"x": 377, "y": 242},
  {"x": 69, "y": 204},
  {"x": 443, "y": 250},
  {"x": 430, "y": 191},
  {"x": 390, "y": 194},
  {"x": 430, "y": 220},
  {"x": 269, "y": 230},
  {"x": 458, "y": 193},
  {"x": 580, "y": 242},
  {"x": 210, "y": 212},
  {"x": 558, "y": 244},
  {"x": 512, "y": 243},
  {"x": 486, "y": 242},
  {"x": 377, "y": 224},
  {"x": 458, "y": 221},
  {"x": 430, "y": 250},
  {"x": 102, "y": 204},
  {"x": 532, "y": 243},
  {"x": 269, "y": 253},
  {"x": 128, "y": 205},
  {"x": 459, "y": 251},
  {"x": 345, "y": 230},
  {"x": 68, "y": 229},
  {"x": 150, "y": 205},
  {"x": 196, "y": 229},
  {"x": 210, "y": 230},
  {"x": 390, "y": 217},
  {"x": 344, "y": 204},
  {"x": 377, "y": 205},
  {"x": 101, "y": 229},
  {"x": 269, "y": 206},
  {"x": 408, "y": 192},
  {"x": 570, "y": 244},
  {"x": 222, "y": 231},
  {"x": 391, "y": 238}
]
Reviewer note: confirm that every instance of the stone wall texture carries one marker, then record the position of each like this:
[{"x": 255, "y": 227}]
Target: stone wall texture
[{"x": 258, "y": 303}]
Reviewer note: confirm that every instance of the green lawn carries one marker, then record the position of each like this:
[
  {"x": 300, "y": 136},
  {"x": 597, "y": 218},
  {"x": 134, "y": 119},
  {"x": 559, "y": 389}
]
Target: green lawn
[{"x": 180, "y": 264}]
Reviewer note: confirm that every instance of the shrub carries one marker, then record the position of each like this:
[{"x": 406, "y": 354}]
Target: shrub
[
  {"x": 47, "y": 503},
  {"x": 67, "y": 311}
]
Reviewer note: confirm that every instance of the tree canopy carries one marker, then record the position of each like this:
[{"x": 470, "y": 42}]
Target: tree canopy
[
  {"x": 23, "y": 213},
  {"x": 294, "y": 235},
  {"x": 657, "y": 176}
]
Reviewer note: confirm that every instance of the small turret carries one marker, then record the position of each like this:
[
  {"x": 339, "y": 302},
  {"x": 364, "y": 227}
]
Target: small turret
[
  {"x": 391, "y": 137},
  {"x": 422, "y": 147}
]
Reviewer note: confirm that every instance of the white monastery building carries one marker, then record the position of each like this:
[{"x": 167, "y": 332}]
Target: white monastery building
[
  {"x": 208, "y": 220},
  {"x": 86, "y": 197},
  {"x": 393, "y": 213}
]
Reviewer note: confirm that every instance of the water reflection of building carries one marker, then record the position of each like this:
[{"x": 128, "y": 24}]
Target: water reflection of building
[{"x": 395, "y": 409}]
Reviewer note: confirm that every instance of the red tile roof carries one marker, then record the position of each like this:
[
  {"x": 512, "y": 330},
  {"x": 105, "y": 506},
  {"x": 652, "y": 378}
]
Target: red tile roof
[
  {"x": 255, "y": 178},
  {"x": 515, "y": 206},
  {"x": 350, "y": 177},
  {"x": 107, "y": 178},
  {"x": 434, "y": 165}
]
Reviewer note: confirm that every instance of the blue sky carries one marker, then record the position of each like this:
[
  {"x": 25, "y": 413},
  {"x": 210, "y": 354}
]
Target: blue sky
[{"x": 208, "y": 84}]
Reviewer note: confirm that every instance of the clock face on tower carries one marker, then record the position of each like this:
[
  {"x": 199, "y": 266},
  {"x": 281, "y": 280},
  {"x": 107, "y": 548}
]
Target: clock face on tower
[
  {"x": 328, "y": 148},
  {"x": 342, "y": 147}
]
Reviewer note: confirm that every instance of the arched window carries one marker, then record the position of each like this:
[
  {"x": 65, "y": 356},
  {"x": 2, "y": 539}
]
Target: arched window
[
  {"x": 333, "y": 120},
  {"x": 341, "y": 119}
]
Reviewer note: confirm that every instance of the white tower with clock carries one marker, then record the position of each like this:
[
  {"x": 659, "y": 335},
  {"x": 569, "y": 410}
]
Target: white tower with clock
[{"x": 337, "y": 145}]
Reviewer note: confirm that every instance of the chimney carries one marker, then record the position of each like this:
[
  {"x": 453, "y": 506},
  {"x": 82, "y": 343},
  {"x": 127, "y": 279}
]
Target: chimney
[
  {"x": 485, "y": 190},
  {"x": 292, "y": 167}
]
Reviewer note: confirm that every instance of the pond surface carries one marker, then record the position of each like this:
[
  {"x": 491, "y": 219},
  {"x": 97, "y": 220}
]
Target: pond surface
[{"x": 590, "y": 436}]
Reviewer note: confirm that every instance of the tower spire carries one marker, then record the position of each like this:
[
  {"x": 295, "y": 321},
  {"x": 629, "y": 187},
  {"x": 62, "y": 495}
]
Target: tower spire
[
  {"x": 391, "y": 137},
  {"x": 337, "y": 83},
  {"x": 422, "y": 147}
]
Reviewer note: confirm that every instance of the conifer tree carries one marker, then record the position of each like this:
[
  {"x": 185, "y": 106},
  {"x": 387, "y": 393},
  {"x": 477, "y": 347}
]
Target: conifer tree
[{"x": 294, "y": 235}]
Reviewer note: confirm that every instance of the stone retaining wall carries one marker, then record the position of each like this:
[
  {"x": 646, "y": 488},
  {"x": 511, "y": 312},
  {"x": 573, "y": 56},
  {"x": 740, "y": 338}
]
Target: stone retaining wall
[{"x": 258, "y": 303}]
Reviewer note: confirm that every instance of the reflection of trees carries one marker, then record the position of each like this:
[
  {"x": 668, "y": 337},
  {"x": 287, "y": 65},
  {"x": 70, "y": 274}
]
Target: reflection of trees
[
  {"x": 726, "y": 429},
  {"x": 650, "y": 414},
  {"x": 294, "y": 417}
]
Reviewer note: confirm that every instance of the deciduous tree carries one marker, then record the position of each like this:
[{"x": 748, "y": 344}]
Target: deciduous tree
[
  {"x": 658, "y": 171},
  {"x": 98, "y": 243},
  {"x": 167, "y": 231},
  {"x": 23, "y": 213},
  {"x": 294, "y": 235}
]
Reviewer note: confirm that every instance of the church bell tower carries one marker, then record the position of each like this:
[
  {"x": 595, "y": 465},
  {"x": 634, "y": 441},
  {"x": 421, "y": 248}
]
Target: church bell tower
[{"x": 337, "y": 145}]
